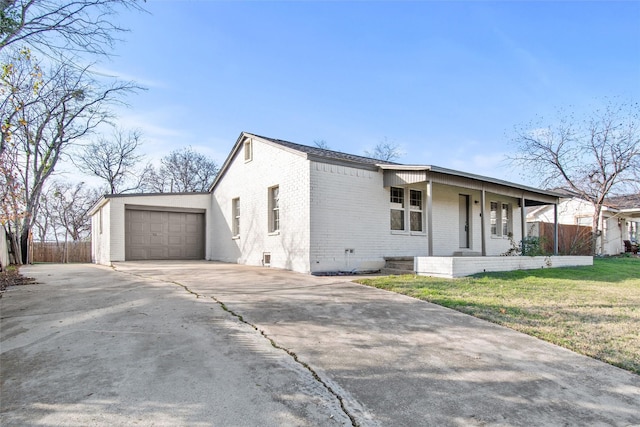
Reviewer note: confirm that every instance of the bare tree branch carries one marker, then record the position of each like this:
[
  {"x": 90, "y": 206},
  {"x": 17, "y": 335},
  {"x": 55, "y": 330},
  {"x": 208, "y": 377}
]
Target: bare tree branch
[
  {"x": 595, "y": 157},
  {"x": 114, "y": 160},
  {"x": 55, "y": 109},
  {"x": 385, "y": 150},
  {"x": 182, "y": 171},
  {"x": 61, "y": 29}
]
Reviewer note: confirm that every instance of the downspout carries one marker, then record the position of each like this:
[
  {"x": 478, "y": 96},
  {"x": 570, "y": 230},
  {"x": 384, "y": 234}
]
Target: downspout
[
  {"x": 430, "y": 217},
  {"x": 555, "y": 229},
  {"x": 523, "y": 224},
  {"x": 483, "y": 234}
]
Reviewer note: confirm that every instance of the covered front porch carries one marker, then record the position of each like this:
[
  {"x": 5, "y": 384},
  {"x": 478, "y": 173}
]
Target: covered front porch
[
  {"x": 474, "y": 215},
  {"x": 475, "y": 224}
]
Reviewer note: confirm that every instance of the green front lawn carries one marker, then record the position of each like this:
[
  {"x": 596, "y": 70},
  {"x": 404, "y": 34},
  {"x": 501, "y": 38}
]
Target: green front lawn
[{"x": 591, "y": 310}]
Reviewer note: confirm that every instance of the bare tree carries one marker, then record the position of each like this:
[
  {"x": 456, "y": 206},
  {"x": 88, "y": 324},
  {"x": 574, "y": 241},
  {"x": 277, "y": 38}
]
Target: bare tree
[
  {"x": 182, "y": 171},
  {"x": 385, "y": 150},
  {"x": 593, "y": 157},
  {"x": 114, "y": 160},
  {"x": 62, "y": 29},
  {"x": 70, "y": 205},
  {"x": 321, "y": 143},
  {"x": 54, "y": 109}
]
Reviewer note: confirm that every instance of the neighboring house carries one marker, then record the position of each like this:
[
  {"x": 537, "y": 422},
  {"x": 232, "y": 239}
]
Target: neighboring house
[
  {"x": 619, "y": 219},
  {"x": 313, "y": 210}
]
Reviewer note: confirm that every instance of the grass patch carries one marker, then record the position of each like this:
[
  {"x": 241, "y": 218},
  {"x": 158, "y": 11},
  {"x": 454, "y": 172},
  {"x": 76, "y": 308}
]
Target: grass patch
[{"x": 592, "y": 310}]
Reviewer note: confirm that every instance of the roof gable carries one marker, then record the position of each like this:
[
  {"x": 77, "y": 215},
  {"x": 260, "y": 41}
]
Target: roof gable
[{"x": 311, "y": 153}]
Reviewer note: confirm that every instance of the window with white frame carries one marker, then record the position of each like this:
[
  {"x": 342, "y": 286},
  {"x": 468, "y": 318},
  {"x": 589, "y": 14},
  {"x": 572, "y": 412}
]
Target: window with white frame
[
  {"x": 500, "y": 219},
  {"x": 397, "y": 208},
  {"x": 235, "y": 208},
  {"x": 274, "y": 209},
  {"x": 494, "y": 218},
  {"x": 248, "y": 150},
  {"x": 506, "y": 219},
  {"x": 415, "y": 210}
]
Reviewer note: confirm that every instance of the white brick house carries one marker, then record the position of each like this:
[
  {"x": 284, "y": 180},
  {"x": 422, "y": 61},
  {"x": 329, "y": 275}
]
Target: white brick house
[{"x": 313, "y": 210}]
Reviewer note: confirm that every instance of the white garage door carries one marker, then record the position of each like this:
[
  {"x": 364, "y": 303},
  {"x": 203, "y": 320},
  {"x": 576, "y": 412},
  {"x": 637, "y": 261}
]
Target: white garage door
[{"x": 159, "y": 234}]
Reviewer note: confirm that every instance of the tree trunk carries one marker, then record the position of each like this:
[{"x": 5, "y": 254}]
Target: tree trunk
[
  {"x": 25, "y": 244},
  {"x": 597, "y": 232}
]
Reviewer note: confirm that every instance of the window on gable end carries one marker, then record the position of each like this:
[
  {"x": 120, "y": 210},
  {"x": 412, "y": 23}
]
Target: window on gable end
[{"x": 248, "y": 149}]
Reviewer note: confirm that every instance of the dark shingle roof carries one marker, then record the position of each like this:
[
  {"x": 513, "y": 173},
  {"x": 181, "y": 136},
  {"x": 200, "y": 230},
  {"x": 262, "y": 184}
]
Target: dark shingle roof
[
  {"x": 629, "y": 201},
  {"x": 327, "y": 154}
]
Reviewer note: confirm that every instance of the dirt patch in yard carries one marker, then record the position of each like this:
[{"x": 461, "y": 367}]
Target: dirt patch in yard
[{"x": 12, "y": 277}]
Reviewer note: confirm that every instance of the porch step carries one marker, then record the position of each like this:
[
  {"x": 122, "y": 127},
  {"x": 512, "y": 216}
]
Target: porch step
[{"x": 398, "y": 266}]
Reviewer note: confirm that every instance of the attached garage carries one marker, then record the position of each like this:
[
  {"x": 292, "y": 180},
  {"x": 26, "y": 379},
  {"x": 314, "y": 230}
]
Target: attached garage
[{"x": 157, "y": 233}]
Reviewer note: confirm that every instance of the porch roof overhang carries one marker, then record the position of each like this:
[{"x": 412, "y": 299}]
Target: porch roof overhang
[
  {"x": 630, "y": 213},
  {"x": 398, "y": 175}
]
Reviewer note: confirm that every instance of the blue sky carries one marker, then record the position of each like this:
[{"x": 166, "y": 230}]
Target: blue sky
[{"x": 447, "y": 81}]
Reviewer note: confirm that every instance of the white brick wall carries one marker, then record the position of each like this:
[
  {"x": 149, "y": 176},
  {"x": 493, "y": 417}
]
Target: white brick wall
[
  {"x": 464, "y": 266},
  {"x": 350, "y": 210},
  {"x": 250, "y": 181},
  {"x": 101, "y": 236}
]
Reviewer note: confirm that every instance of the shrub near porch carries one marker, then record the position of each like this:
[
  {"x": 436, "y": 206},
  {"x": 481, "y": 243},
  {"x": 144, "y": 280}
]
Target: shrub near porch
[{"x": 593, "y": 310}]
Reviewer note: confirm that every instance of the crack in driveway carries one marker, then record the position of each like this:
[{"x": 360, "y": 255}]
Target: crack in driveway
[{"x": 274, "y": 344}]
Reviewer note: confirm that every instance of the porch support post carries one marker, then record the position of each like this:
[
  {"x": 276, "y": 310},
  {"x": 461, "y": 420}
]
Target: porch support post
[
  {"x": 430, "y": 217},
  {"x": 523, "y": 222},
  {"x": 555, "y": 229},
  {"x": 483, "y": 233}
]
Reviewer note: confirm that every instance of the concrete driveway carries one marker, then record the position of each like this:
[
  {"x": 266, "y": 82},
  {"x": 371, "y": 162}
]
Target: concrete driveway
[{"x": 216, "y": 344}]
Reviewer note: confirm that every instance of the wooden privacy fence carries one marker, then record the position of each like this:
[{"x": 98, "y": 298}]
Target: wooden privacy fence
[
  {"x": 572, "y": 239},
  {"x": 61, "y": 252}
]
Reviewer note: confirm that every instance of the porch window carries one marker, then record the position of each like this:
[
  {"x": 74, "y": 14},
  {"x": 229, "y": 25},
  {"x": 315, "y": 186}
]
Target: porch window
[
  {"x": 505, "y": 219},
  {"x": 397, "y": 208},
  {"x": 235, "y": 208},
  {"x": 494, "y": 218},
  {"x": 274, "y": 209},
  {"x": 415, "y": 210}
]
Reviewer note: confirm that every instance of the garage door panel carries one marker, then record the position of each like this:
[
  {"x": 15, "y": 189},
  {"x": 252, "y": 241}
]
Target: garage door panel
[
  {"x": 192, "y": 228},
  {"x": 157, "y": 240},
  {"x": 176, "y": 240},
  {"x": 155, "y": 227},
  {"x": 155, "y": 234},
  {"x": 176, "y": 228},
  {"x": 157, "y": 253}
]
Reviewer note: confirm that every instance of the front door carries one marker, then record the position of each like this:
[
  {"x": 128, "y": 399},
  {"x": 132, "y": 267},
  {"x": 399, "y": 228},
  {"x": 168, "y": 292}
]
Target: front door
[{"x": 464, "y": 220}]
